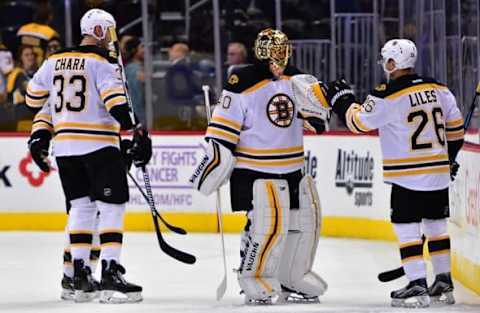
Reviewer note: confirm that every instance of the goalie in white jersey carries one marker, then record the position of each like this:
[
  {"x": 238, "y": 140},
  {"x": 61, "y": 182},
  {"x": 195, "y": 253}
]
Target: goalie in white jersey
[
  {"x": 83, "y": 106},
  {"x": 256, "y": 136},
  {"x": 421, "y": 132}
]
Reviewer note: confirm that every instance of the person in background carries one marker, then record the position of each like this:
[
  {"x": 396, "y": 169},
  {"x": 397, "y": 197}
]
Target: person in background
[
  {"x": 6, "y": 66},
  {"x": 178, "y": 53},
  {"x": 38, "y": 33},
  {"x": 123, "y": 41},
  {"x": 17, "y": 81},
  {"x": 134, "y": 52},
  {"x": 53, "y": 46},
  {"x": 236, "y": 55}
]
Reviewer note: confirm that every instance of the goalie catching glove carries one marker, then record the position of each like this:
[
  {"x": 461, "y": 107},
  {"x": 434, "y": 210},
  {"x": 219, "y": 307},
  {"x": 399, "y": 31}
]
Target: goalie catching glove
[
  {"x": 214, "y": 169},
  {"x": 309, "y": 94}
]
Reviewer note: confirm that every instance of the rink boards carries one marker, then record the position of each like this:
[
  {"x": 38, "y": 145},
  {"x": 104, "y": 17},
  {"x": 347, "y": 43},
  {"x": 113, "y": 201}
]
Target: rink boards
[{"x": 346, "y": 168}]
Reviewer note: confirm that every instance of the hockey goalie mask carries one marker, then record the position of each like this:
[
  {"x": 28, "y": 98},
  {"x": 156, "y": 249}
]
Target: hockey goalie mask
[{"x": 273, "y": 45}]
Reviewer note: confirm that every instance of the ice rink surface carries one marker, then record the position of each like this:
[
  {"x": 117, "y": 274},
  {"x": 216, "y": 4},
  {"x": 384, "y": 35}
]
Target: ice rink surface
[{"x": 30, "y": 272}]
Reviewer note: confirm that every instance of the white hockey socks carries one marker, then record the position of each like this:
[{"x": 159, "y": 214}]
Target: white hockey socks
[
  {"x": 81, "y": 224},
  {"x": 264, "y": 241},
  {"x": 438, "y": 244},
  {"x": 111, "y": 230},
  {"x": 411, "y": 249}
]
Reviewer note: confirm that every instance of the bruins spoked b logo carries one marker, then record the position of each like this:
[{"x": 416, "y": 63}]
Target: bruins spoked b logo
[{"x": 280, "y": 110}]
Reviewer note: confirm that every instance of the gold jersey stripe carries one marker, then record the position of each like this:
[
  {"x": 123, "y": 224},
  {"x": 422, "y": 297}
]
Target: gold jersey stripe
[
  {"x": 38, "y": 93},
  {"x": 455, "y": 123},
  {"x": 80, "y": 232},
  {"x": 262, "y": 83},
  {"x": 271, "y": 163},
  {"x": 111, "y": 91},
  {"x": 111, "y": 230},
  {"x": 41, "y": 125},
  {"x": 80, "y": 245},
  {"x": 34, "y": 103},
  {"x": 92, "y": 126},
  {"x": 227, "y": 122},
  {"x": 109, "y": 244},
  {"x": 435, "y": 170},
  {"x": 438, "y": 238},
  {"x": 222, "y": 134},
  {"x": 103, "y": 138},
  {"x": 444, "y": 251},
  {"x": 41, "y": 116},
  {"x": 115, "y": 101},
  {"x": 259, "y": 151},
  {"x": 455, "y": 137},
  {"x": 411, "y": 244},
  {"x": 416, "y": 88},
  {"x": 436, "y": 157},
  {"x": 79, "y": 55}
]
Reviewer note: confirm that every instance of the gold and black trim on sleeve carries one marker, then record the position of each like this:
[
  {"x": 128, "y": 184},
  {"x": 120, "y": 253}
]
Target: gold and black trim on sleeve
[
  {"x": 432, "y": 164},
  {"x": 87, "y": 132},
  {"x": 455, "y": 130},
  {"x": 36, "y": 99},
  {"x": 273, "y": 157},
  {"x": 353, "y": 121},
  {"x": 42, "y": 122},
  {"x": 411, "y": 251},
  {"x": 224, "y": 129},
  {"x": 111, "y": 237},
  {"x": 113, "y": 97},
  {"x": 80, "y": 238},
  {"x": 439, "y": 245}
]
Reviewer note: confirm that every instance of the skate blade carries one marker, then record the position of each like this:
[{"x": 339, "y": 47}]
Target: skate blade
[
  {"x": 82, "y": 296},
  {"x": 292, "y": 298},
  {"x": 413, "y": 302},
  {"x": 67, "y": 294},
  {"x": 115, "y": 297},
  {"x": 445, "y": 299}
]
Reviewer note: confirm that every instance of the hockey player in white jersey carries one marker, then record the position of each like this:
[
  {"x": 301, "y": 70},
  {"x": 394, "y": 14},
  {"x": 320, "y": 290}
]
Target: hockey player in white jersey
[
  {"x": 84, "y": 107},
  {"x": 255, "y": 139},
  {"x": 421, "y": 132}
]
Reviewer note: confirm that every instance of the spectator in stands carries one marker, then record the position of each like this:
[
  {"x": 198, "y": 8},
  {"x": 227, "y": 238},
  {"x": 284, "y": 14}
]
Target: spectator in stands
[
  {"x": 17, "y": 81},
  {"x": 122, "y": 42},
  {"x": 236, "y": 56},
  {"x": 134, "y": 52},
  {"x": 179, "y": 52},
  {"x": 6, "y": 66},
  {"x": 53, "y": 46},
  {"x": 38, "y": 33}
]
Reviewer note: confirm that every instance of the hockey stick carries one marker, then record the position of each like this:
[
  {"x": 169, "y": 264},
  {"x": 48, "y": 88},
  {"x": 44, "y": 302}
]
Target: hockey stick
[
  {"x": 395, "y": 273},
  {"x": 174, "y": 229},
  {"x": 469, "y": 116},
  {"x": 164, "y": 246},
  {"x": 222, "y": 288}
]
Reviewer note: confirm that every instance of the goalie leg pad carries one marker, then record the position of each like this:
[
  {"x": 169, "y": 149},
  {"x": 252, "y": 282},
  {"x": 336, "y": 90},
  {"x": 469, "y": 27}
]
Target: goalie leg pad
[
  {"x": 214, "y": 169},
  {"x": 264, "y": 239},
  {"x": 304, "y": 231}
]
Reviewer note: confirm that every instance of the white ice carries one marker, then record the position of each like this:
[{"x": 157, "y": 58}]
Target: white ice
[{"x": 30, "y": 273}]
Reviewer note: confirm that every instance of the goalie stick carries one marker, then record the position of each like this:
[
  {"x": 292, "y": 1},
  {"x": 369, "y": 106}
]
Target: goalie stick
[
  {"x": 174, "y": 229},
  {"x": 222, "y": 288},
  {"x": 164, "y": 246}
]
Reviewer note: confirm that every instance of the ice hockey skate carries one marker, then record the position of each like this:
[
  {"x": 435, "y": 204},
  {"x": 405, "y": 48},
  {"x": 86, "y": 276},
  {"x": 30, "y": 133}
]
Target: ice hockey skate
[
  {"x": 67, "y": 288},
  {"x": 291, "y": 296},
  {"x": 115, "y": 289},
  {"x": 84, "y": 285},
  {"x": 414, "y": 295},
  {"x": 441, "y": 291}
]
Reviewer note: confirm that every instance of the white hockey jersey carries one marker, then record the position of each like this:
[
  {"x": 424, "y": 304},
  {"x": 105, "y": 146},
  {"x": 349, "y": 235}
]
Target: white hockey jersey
[
  {"x": 81, "y": 87},
  {"x": 416, "y": 117},
  {"x": 257, "y": 119}
]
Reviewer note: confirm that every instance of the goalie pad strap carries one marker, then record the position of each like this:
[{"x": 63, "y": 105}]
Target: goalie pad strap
[
  {"x": 264, "y": 241},
  {"x": 214, "y": 169},
  {"x": 302, "y": 241}
]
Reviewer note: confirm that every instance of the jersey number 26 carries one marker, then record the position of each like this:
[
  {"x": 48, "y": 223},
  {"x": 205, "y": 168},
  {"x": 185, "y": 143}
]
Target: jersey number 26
[{"x": 424, "y": 117}]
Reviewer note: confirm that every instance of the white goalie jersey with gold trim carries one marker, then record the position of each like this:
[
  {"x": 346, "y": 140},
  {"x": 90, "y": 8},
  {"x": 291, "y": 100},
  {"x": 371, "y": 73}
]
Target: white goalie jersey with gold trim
[
  {"x": 416, "y": 118},
  {"x": 83, "y": 89},
  {"x": 257, "y": 119}
]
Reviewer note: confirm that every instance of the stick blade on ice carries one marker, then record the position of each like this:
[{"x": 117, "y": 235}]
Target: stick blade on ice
[{"x": 222, "y": 288}]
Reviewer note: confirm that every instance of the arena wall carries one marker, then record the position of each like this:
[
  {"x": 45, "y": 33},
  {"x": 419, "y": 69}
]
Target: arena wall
[{"x": 346, "y": 168}]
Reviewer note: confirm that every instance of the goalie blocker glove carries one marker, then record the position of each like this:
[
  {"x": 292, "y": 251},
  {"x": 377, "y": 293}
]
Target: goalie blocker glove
[
  {"x": 214, "y": 169},
  {"x": 38, "y": 145}
]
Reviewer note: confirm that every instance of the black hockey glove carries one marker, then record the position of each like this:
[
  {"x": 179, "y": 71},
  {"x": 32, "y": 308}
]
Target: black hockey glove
[
  {"x": 126, "y": 147},
  {"x": 340, "y": 96},
  {"x": 142, "y": 147},
  {"x": 454, "y": 166},
  {"x": 38, "y": 145}
]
